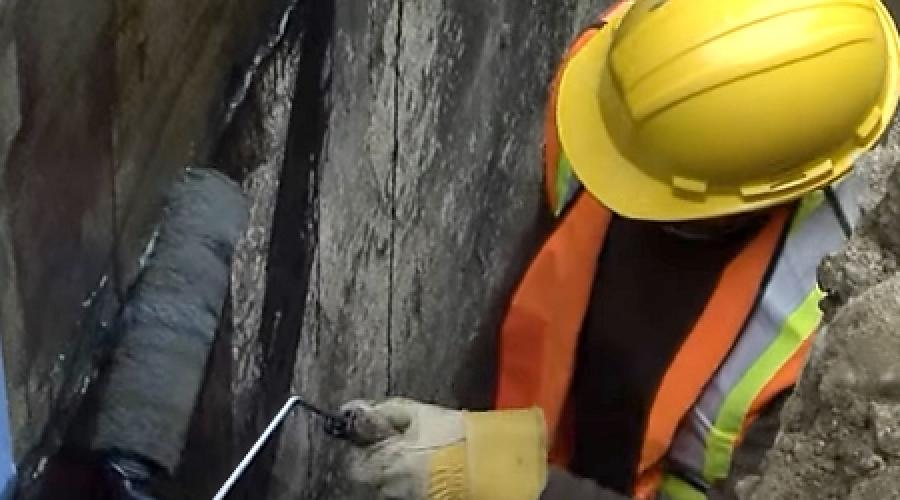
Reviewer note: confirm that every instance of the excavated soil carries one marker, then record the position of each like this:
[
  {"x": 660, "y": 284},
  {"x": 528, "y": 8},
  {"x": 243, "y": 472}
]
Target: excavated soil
[{"x": 840, "y": 431}]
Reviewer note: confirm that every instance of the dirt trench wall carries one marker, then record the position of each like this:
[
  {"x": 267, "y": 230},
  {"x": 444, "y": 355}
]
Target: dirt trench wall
[{"x": 101, "y": 103}]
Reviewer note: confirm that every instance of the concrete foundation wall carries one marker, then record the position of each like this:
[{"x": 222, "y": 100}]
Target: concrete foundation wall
[
  {"x": 410, "y": 168},
  {"x": 408, "y": 202},
  {"x": 427, "y": 208}
]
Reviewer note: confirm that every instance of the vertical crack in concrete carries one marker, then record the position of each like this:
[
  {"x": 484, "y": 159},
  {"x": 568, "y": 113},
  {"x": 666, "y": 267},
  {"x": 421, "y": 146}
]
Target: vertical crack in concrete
[
  {"x": 116, "y": 280},
  {"x": 309, "y": 466},
  {"x": 395, "y": 162},
  {"x": 317, "y": 263}
]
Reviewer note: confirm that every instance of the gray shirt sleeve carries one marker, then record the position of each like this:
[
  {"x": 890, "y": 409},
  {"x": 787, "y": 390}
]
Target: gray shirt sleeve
[{"x": 562, "y": 485}]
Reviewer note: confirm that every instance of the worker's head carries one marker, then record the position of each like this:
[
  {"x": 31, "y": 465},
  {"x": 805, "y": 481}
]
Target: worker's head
[
  {"x": 716, "y": 228},
  {"x": 694, "y": 109}
]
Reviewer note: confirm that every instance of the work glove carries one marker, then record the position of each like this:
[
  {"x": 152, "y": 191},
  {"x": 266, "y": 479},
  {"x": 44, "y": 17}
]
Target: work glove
[{"x": 434, "y": 453}]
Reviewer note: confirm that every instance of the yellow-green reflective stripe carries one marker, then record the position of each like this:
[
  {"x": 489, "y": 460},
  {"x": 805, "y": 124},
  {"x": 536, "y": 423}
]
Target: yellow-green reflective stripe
[
  {"x": 563, "y": 178},
  {"x": 729, "y": 423},
  {"x": 809, "y": 204},
  {"x": 675, "y": 488}
]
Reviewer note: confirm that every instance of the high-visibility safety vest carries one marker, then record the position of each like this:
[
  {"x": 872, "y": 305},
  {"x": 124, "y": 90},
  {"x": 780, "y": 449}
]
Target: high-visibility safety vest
[{"x": 747, "y": 346}]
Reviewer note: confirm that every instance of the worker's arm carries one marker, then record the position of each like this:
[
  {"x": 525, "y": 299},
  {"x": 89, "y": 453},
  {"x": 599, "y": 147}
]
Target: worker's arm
[{"x": 438, "y": 453}]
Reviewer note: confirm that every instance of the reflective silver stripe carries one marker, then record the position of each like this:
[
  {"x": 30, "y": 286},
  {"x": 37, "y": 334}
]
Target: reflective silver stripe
[{"x": 812, "y": 236}]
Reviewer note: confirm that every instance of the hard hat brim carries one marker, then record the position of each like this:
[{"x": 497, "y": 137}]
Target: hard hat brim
[{"x": 620, "y": 184}]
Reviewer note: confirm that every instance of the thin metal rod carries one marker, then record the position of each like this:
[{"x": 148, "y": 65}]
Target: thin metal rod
[
  {"x": 839, "y": 212},
  {"x": 248, "y": 458}
]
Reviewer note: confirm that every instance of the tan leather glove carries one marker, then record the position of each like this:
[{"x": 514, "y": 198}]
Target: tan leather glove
[{"x": 442, "y": 454}]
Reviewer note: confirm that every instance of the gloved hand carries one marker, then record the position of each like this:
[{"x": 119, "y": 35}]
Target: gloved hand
[{"x": 441, "y": 454}]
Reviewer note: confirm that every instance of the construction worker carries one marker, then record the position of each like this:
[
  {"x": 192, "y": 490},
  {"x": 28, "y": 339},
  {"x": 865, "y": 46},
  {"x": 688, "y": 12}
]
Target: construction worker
[{"x": 696, "y": 157}]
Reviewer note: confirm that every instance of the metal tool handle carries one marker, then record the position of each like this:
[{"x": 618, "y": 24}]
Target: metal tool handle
[
  {"x": 358, "y": 425},
  {"x": 258, "y": 445}
]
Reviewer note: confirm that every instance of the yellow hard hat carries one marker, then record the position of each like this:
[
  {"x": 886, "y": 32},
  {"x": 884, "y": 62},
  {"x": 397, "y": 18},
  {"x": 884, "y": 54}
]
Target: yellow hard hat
[{"x": 688, "y": 109}]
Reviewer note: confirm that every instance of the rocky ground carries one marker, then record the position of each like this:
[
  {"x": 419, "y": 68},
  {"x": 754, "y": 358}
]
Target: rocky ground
[{"x": 840, "y": 436}]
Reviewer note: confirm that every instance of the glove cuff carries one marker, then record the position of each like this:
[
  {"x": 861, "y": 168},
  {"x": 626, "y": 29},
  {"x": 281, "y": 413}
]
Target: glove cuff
[
  {"x": 447, "y": 477},
  {"x": 506, "y": 454}
]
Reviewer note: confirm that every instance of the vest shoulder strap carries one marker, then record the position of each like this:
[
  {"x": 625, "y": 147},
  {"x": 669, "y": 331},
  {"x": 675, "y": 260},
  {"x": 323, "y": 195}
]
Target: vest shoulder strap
[
  {"x": 713, "y": 336},
  {"x": 561, "y": 186},
  {"x": 539, "y": 334},
  {"x": 768, "y": 356}
]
